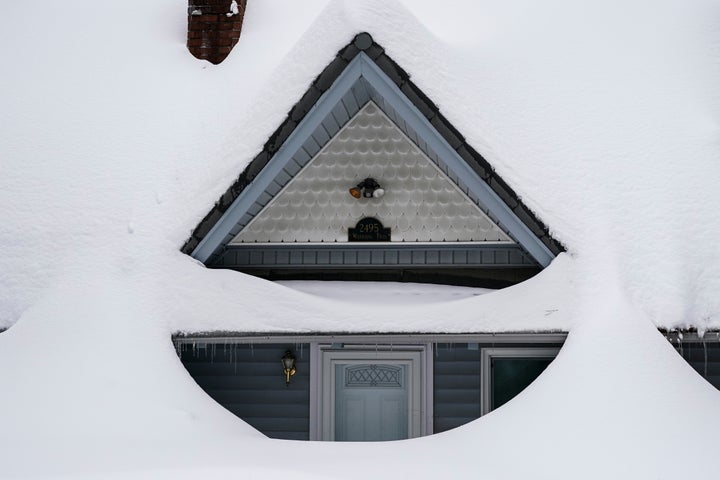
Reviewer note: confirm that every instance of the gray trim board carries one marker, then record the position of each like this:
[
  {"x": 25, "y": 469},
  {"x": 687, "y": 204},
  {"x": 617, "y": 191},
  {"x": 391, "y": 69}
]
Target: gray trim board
[
  {"x": 354, "y": 255},
  {"x": 369, "y": 338}
]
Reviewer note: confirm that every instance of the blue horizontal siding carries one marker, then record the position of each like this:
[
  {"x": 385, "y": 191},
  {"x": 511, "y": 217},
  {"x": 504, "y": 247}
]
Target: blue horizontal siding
[{"x": 248, "y": 381}]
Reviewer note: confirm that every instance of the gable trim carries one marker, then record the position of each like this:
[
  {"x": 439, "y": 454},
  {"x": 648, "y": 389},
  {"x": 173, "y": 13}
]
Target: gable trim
[
  {"x": 430, "y": 134},
  {"x": 207, "y": 246},
  {"x": 394, "y": 85}
]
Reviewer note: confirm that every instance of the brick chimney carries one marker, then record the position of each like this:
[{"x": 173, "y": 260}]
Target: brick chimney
[{"x": 214, "y": 27}]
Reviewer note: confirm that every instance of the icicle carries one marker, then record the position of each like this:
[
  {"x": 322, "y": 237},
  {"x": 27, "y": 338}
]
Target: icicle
[
  {"x": 682, "y": 354},
  {"x": 234, "y": 358}
]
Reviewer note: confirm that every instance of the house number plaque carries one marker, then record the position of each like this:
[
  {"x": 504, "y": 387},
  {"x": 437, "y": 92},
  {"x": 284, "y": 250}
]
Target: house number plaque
[{"x": 369, "y": 230}]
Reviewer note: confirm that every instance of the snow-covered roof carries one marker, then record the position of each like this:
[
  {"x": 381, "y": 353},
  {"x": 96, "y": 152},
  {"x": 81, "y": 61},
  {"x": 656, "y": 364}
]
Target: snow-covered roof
[{"x": 115, "y": 142}]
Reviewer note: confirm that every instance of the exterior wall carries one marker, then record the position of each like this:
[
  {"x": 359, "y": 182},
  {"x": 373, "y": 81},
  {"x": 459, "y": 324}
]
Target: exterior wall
[
  {"x": 299, "y": 224},
  {"x": 456, "y": 385},
  {"x": 211, "y": 32},
  {"x": 247, "y": 380},
  {"x": 420, "y": 202}
]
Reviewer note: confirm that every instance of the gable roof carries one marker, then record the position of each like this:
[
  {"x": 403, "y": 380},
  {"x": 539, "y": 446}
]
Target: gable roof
[
  {"x": 420, "y": 203},
  {"x": 360, "y": 72}
]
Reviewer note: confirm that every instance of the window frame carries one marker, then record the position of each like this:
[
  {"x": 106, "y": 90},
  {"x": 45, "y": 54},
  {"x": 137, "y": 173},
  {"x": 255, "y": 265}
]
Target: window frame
[{"x": 488, "y": 354}]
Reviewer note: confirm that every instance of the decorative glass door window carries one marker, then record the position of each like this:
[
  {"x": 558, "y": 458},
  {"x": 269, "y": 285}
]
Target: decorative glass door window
[{"x": 371, "y": 402}]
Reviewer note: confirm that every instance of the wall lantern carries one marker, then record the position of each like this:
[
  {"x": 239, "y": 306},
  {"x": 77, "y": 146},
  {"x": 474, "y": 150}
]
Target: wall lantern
[
  {"x": 368, "y": 188},
  {"x": 288, "y": 363}
]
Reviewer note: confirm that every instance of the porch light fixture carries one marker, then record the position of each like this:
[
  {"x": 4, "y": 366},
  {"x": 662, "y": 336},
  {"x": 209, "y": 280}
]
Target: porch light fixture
[
  {"x": 288, "y": 363},
  {"x": 368, "y": 188}
]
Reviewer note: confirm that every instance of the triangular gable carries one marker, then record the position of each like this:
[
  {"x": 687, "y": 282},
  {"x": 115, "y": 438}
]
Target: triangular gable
[
  {"x": 362, "y": 72},
  {"x": 420, "y": 204}
]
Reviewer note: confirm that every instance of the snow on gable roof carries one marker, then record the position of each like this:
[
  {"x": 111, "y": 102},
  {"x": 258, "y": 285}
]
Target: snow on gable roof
[
  {"x": 610, "y": 138},
  {"x": 363, "y": 72}
]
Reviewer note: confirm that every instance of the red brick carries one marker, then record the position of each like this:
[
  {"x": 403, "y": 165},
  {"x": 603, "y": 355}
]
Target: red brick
[{"x": 212, "y": 35}]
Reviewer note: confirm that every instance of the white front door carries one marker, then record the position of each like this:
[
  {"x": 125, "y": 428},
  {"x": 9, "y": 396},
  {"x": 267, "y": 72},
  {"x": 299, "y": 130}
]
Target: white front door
[
  {"x": 370, "y": 395},
  {"x": 371, "y": 401}
]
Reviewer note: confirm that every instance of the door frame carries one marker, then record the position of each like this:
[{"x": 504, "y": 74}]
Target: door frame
[{"x": 323, "y": 358}]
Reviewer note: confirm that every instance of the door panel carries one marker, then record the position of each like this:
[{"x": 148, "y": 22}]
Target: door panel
[{"x": 371, "y": 402}]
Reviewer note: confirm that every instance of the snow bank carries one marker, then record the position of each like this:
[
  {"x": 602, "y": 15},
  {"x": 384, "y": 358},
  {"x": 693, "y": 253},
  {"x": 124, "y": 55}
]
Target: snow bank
[{"x": 103, "y": 395}]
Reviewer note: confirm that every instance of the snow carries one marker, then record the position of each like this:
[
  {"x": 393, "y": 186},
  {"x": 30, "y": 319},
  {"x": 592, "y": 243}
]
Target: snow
[
  {"x": 113, "y": 152},
  {"x": 384, "y": 293},
  {"x": 115, "y": 142},
  {"x": 234, "y": 10}
]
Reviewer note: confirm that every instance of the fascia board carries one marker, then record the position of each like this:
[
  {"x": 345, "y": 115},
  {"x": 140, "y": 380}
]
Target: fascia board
[{"x": 249, "y": 195}]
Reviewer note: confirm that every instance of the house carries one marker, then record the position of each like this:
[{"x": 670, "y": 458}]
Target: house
[
  {"x": 596, "y": 126},
  {"x": 367, "y": 180}
]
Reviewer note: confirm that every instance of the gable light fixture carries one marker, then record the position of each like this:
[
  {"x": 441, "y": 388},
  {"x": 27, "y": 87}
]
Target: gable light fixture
[
  {"x": 288, "y": 363},
  {"x": 368, "y": 188}
]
